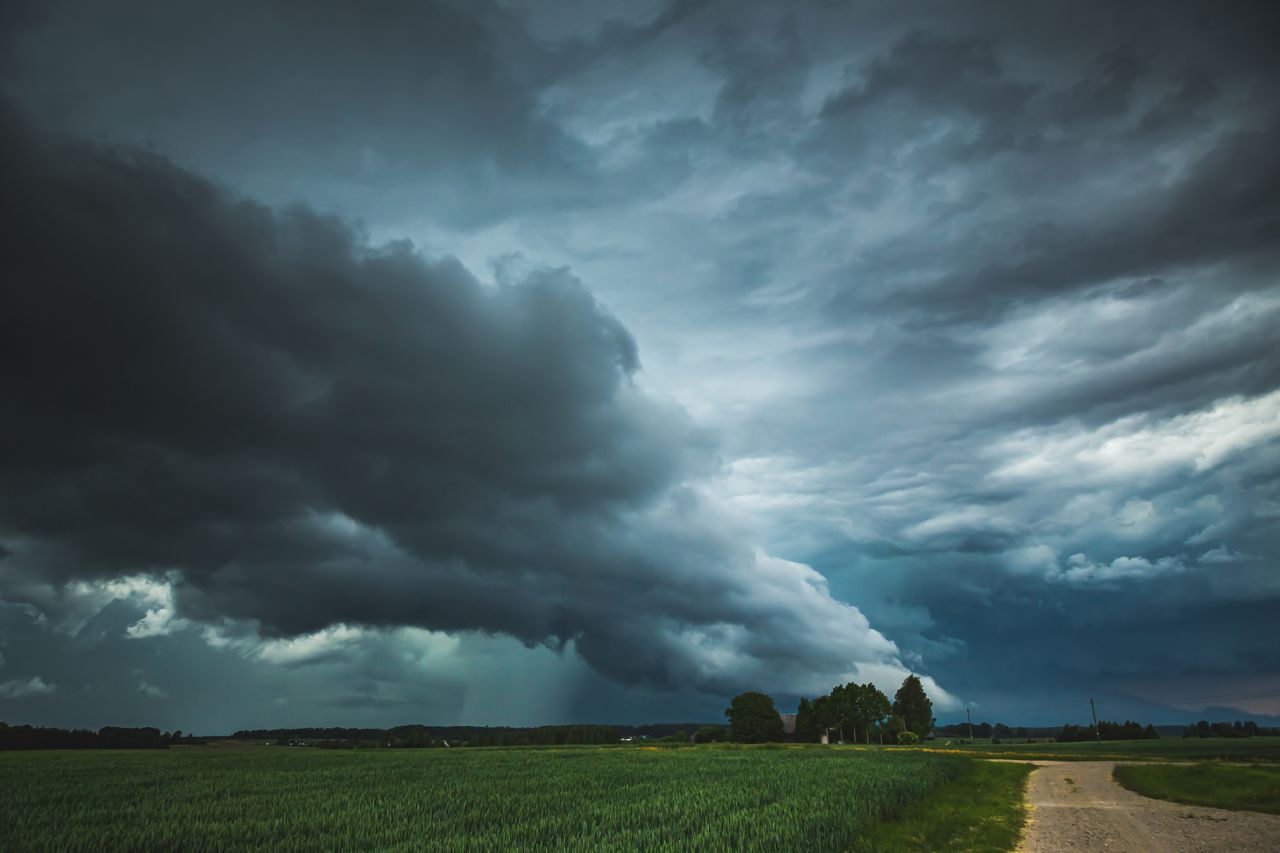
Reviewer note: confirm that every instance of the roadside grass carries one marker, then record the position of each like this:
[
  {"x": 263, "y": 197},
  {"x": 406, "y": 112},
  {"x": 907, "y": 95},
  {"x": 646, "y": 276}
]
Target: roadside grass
[
  {"x": 983, "y": 809},
  {"x": 1255, "y": 749},
  {"x": 1222, "y": 786}
]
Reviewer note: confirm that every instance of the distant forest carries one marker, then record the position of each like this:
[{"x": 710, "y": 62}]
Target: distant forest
[
  {"x": 107, "y": 737},
  {"x": 422, "y": 736},
  {"x": 1107, "y": 730},
  {"x": 1248, "y": 728}
]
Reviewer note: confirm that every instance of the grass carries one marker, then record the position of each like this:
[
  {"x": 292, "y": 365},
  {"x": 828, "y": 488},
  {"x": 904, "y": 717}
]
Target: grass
[
  {"x": 1219, "y": 785},
  {"x": 1255, "y": 749},
  {"x": 980, "y": 810},
  {"x": 479, "y": 799}
]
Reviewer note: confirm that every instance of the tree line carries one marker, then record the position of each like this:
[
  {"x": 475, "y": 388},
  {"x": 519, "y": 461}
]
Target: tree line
[
  {"x": 984, "y": 731},
  {"x": 850, "y": 713},
  {"x": 1107, "y": 730},
  {"x": 1248, "y": 728},
  {"x": 107, "y": 737}
]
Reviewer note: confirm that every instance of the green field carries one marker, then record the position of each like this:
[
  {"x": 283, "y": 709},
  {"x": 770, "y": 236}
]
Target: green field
[
  {"x": 1220, "y": 785},
  {"x": 576, "y": 798},
  {"x": 983, "y": 809},
  {"x": 1254, "y": 749}
]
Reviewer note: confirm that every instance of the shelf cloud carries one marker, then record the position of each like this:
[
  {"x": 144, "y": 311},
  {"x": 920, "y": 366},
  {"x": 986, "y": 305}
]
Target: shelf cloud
[{"x": 229, "y": 412}]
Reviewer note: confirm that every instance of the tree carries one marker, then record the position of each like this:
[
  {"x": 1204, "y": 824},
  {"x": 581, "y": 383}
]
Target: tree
[
  {"x": 842, "y": 708},
  {"x": 753, "y": 719},
  {"x": 895, "y": 728},
  {"x": 711, "y": 734},
  {"x": 911, "y": 703},
  {"x": 824, "y": 715},
  {"x": 871, "y": 707},
  {"x": 806, "y": 723},
  {"x": 857, "y": 708}
]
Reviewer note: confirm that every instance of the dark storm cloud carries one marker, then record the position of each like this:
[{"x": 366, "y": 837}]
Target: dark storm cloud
[
  {"x": 980, "y": 304},
  {"x": 303, "y": 430},
  {"x": 934, "y": 77},
  {"x": 397, "y": 99},
  {"x": 1224, "y": 209},
  {"x": 1047, "y": 241},
  {"x": 938, "y": 107}
]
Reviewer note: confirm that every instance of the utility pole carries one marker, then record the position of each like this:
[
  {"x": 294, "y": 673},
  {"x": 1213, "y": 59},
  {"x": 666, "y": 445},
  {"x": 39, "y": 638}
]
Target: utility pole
[
  {"x": 970, "y": 719},
  {"x": 1097, "y": 735}
]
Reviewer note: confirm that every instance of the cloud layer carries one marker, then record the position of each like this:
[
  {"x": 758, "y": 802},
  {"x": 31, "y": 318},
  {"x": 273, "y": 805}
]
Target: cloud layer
[
  {"x": 232, "y": 414},
  {"x": 958, "y": 321}
]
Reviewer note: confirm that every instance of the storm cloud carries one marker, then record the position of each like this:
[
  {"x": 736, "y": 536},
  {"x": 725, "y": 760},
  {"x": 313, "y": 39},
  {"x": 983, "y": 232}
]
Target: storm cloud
[
  {"x": 295, "y": 429},
  {"x": 939, "y": 338}
]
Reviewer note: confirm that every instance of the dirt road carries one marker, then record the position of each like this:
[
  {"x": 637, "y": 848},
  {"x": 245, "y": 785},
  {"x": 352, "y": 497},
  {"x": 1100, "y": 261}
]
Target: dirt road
[{"x": 1075, "y": 805}]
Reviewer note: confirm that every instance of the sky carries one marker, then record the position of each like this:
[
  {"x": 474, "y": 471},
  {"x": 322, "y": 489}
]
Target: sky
[{"x": 523, "y": 363}]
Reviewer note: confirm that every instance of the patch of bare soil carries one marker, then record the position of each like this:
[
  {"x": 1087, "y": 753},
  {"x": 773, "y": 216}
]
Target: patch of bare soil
[{"x": 1076, "y": 805}]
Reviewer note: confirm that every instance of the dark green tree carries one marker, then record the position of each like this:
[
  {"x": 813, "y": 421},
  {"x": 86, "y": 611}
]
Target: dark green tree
[
  {"x": 753, "y": 719},
  {"x": 806, "y": 723},
  {"x": 871, "y": 708},
  {"x": 824, "y": 715},
  {"x": 842, "y": 711},
  {"x": 895, "y": 727},
  {"x": 911, "y": 703},
  {"x": 711, "y": 734}
]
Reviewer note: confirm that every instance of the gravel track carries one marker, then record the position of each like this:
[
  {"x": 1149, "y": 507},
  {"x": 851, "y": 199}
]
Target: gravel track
[{"x": 1076, "y": 805}]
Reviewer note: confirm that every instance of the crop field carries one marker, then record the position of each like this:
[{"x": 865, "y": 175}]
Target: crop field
[
  {"x": 1254, "y": 749},
  {"x": 1223, "y": 786},
  {"x": 575, "y": 798}
]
